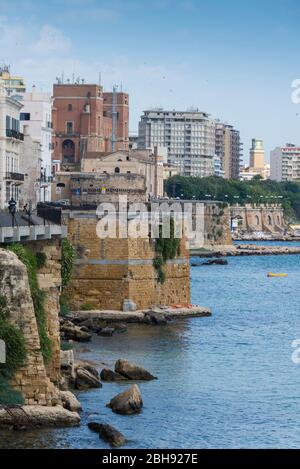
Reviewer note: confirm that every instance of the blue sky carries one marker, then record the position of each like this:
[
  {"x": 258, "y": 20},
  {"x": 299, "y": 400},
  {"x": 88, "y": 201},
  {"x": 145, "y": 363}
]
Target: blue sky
[{"x": 235, "y": 59}]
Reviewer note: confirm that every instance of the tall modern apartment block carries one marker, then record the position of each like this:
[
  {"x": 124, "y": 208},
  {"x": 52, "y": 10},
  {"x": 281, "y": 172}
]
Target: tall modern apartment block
[
  {"x": 285, "y": 163},
  {"x": 189, "y": 138},
  {"x": 228, "y": 149}
]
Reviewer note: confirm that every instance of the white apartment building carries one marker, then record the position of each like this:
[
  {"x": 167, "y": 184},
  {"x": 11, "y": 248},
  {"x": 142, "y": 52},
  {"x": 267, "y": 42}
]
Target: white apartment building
[
  {"x": 285, "y": 163},
  {"x": 189, "y": 138},
  {"x": 11, "y": 147},
  {"x": 36, "y": 116}
]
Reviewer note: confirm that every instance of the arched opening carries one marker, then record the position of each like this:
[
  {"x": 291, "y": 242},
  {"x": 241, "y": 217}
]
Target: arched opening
[
  {"x": 257, "y": 219},
  {"x": 117, "y": 170},
  {"x": 68, "y": 151},
  {"x": 269, "y": 220}
]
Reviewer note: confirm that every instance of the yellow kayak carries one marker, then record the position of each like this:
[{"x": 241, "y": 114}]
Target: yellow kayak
[{"x": 270, "y": 274}]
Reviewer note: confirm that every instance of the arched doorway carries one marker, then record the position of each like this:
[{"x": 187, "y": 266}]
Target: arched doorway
[
  {"x": 117, "y": 170},
  {"x": 68, "y": 151}
]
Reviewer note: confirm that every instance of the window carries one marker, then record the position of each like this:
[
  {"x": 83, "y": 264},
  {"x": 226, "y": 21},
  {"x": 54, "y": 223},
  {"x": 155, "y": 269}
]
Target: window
[
  {"x": 25, "y": 116},
  {"x": 69, "y": 127},
  {"x": 70, "y": 107},
  {"x": 8, "y": 125},
  {"x": 117, "y": 170}
]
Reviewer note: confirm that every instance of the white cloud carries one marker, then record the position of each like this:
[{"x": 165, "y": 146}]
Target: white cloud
[{"x": 51, "y": 40}]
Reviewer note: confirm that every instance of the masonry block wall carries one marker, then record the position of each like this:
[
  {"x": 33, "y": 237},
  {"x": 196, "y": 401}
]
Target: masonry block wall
[
  {"x": 265, "y": 218},
  {"x": 107, "y": 271},
  {"x": 49, "y": 279},
  {"x": 217, "y": 225},
  {"x": 32, "y": 379}
]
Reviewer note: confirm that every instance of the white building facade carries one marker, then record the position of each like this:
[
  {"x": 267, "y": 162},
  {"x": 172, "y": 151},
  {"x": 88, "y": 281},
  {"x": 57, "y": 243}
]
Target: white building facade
[
  {"x": 189, "y": 138},
  {"x": 36, "y": 116},
  {"x": 11, "y": 148},
  {"x": 285, "y": 163}
]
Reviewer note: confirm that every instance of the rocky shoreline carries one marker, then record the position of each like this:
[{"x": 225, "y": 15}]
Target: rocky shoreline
[
  {"x": 246, "y": 250},
  {"x": 81, "y": 375}
]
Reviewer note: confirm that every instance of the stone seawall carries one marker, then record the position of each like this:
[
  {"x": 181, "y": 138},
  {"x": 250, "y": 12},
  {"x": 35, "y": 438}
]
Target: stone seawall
[
  {"x": 109, "y": 270},
  {"x": 246, "y": 250}
]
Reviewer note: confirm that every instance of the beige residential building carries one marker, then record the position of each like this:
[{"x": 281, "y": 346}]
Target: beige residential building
[
  {"x": 247, "y": 173},
  {"x": 228, "y": 150}
]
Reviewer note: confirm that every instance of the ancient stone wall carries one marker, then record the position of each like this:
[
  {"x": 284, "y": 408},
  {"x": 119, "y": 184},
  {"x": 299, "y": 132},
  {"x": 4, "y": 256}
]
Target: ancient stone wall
[
  {"x": 49, "y": 279},
  {"x": 109, "y": 270},
  {"x": 262, "y": 218},
  {"x": 31, "y": 379},
  {"x": 216, "y": 225}
]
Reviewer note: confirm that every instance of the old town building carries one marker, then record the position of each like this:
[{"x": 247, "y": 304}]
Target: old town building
[{"x": 87, "y": 119}]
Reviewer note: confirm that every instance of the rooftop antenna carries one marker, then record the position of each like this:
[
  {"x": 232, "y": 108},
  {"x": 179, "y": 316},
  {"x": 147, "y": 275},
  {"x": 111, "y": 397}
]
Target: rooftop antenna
[{"x": 114, "y": 119}]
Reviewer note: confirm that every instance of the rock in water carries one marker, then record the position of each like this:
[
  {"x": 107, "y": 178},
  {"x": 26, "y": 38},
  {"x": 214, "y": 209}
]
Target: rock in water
[
  {"x": 132, "y": 371},
  {"x": 106, "y": 331},
  {"x": 108, "y": 433},
  {"x": 110, "y": 375},
  {"x": 86, "y": 379},
  {"x": 71, "y": 332},
  {"x": 127, "y": 402},
  {"x": 157, "y": 318},
  {"x": 69, "y": 401},
  {"x": 216, "y": 262}
]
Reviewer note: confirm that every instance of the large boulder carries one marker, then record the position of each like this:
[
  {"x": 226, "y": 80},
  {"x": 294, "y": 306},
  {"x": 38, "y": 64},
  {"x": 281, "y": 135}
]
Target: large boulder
[
  {"x": 127, "y": 402},
  {"x": 69, "y": 401},
  {"x": 87, "y": 378},
  {"x": 67, "y": 368},
  {"x": 110, "y": 375},
  {"x": 132, "y": 371},
  {"x": 71, "y": 332},
  {"x": 106, "y": 331},
  {"x": 108, "y": 433},
  {"x": 38, "y": 415},
  {"x": 157, "y": 318}
]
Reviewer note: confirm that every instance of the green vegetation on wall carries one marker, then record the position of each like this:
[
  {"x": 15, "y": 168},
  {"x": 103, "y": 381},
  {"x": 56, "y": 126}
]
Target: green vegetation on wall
[
  {"x": 15, "y": 356},
  {"x": 165, "y": 248},
  {"x": 38, "y": 296},
  {"x": 68, "y": 255},
  {"x": 235, "y": 191}
]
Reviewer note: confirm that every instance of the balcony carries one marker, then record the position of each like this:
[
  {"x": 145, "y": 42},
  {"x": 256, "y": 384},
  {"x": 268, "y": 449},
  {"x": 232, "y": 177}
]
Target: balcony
[
  {"x": 15, "y": 176},
  {"x": 14, "y": 134},
  {"x": 45, "y": 179}
]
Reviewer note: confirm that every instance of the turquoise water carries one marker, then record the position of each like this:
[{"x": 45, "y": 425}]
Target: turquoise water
[{"x": 227, "y": 381}]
